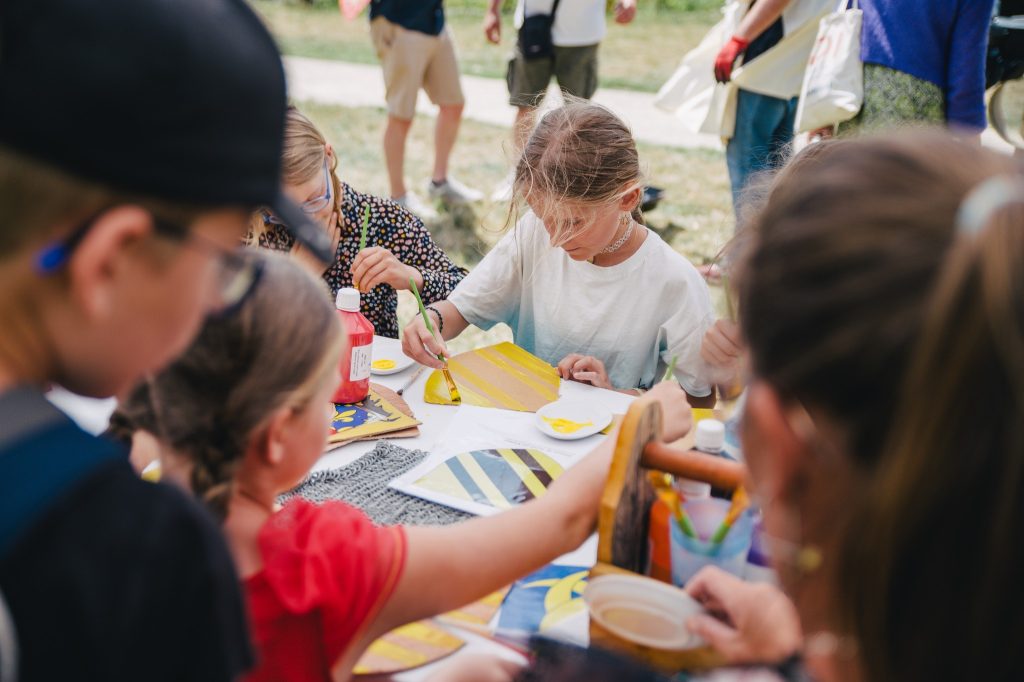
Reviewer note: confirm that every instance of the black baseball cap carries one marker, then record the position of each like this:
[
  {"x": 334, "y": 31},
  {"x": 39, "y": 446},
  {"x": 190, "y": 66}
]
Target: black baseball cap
[{"x": 178, "y": 100}]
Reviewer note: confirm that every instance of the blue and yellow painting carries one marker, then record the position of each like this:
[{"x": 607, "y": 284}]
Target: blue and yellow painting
[
  {"x": 543, "y": 600},
  {"x": 497, "y": 478},
  {"x": 371, "y": 416}
]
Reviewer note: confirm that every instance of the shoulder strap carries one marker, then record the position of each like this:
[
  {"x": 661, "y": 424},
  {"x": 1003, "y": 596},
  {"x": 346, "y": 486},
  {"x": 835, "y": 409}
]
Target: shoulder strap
[
  {"x": 554, "y": 8},
  {"x": 37, "y": 469}
]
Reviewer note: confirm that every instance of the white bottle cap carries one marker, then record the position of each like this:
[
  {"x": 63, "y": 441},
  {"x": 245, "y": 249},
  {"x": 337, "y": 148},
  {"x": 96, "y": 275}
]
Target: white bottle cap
[
  {"x": 347, "y": 300},
  {"x": 710, "y": 435},
  {"x": 693, "y": 490}
]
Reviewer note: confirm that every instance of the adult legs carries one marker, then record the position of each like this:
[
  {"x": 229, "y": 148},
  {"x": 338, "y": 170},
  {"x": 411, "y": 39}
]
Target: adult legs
[
  {"x": 395, "y": 135},
  {"x": 764, "y": 128}
]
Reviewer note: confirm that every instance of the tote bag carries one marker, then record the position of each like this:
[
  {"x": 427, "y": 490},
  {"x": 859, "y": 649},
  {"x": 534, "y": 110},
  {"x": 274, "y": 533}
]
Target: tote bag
[{"x": 833, "y": 88}]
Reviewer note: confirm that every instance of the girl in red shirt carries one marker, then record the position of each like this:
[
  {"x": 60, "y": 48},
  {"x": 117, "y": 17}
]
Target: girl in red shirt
[{"x": 243, "y": 415}]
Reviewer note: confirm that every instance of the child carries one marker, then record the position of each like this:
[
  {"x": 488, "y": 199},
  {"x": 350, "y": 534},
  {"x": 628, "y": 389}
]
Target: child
[
  {"x": 120, "y": 214},
  {"x": 398, "y": 246},
  {"x": 243, "y": 416},
  {"x": 581, "y": 281}
]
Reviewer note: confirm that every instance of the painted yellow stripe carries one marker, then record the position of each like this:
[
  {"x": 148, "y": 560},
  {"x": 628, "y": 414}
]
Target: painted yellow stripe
[
  {"x": 553, "y": 468},
  {"x": 495, "y": 395},
  {"x": 398, "y": 653},
  {"x": 442, "y": 480},
  {"x": 529, "y": 478},
  {"x": 529, "y": 378},
  {"x": 483, "y": 481},
  {"x": 521, "y": 357}
]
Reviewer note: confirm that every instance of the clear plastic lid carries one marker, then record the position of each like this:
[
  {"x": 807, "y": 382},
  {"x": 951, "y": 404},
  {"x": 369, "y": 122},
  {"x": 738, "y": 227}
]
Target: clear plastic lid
[{"x": 693, "y": 490}]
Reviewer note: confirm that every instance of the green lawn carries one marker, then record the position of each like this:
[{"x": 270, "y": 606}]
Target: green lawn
[
  {"x": 695, "y": 218},
  {"x": 639, "y": 56}
]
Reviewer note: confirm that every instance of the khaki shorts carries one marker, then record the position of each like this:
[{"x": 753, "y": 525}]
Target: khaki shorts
[
  {"x": 574, "y": 67},
  {"x": 414, "y": 60}
]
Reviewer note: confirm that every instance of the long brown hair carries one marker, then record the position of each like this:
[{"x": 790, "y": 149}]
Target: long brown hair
[
  {"x": 857, "y": 297},
  {"x": 268, "y": 354},
  {"x": 579, "y": 152}
]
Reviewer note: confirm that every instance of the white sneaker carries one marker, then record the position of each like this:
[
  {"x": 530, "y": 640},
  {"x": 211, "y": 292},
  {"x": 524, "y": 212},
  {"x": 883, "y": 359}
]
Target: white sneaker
[
  {"x": 453, "y": 192},
  {"x": 503, "y": 192},
  {"x": 415, "y": 205}
]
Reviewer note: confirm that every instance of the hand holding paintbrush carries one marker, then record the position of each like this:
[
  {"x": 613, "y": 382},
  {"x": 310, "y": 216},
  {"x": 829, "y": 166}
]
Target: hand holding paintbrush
[{"x": 453, "y": 390}]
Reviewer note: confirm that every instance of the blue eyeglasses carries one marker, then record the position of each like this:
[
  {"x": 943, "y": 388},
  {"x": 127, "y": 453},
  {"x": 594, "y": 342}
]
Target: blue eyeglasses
[{"x": 309, "y": 207}]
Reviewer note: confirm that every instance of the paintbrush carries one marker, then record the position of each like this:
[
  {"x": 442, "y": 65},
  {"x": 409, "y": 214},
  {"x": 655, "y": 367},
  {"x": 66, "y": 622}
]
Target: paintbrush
[
  {"x": 411, "y": 380},
  {"x": 671, "y": 368},
  {"x": 740, "y": 502},
  {"x": 685, "y": 524},
  {"x": 453, "y": 390},
  {"x": 362, "y": 233}
]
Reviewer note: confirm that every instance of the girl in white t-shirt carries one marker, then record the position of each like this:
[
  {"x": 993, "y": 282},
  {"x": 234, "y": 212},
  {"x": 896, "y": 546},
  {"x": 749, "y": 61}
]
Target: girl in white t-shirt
[{"x": 583, "y": 284}]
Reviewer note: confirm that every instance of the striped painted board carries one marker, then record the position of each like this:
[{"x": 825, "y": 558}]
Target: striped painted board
[
  {"x": 407, "y": 647},
  {"x": 497, "y": 478},
  {"x": 503, "y": 375}
]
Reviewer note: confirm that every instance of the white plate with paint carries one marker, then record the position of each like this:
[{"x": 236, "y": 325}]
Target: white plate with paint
[
  {"x": 572, "y": 419},
  {"x": 388, "y": 357}
]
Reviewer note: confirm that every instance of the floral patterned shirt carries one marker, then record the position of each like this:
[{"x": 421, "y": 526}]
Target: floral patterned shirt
[{"x": 393, "y": 228}]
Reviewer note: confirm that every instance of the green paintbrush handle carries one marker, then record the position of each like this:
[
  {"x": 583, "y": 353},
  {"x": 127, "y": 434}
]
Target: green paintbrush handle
[
  {"x": 423, "y": 311},
  {"x": 671, "y": 368}
]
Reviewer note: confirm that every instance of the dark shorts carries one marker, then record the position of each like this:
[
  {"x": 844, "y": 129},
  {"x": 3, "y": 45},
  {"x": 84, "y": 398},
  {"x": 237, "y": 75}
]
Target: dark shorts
[{"x": 574, "y": 67}]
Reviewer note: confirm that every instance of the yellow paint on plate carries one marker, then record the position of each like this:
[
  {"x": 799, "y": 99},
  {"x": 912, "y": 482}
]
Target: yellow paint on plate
[
  {"x": 565, "y": 426},
  {"x": 384, "y": 364}
]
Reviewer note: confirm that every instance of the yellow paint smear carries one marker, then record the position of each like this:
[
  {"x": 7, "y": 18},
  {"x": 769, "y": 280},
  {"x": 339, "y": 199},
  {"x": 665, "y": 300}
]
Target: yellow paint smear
[
  {"x": 566, "y": 426},
  {"x": 383, "y": 364}
]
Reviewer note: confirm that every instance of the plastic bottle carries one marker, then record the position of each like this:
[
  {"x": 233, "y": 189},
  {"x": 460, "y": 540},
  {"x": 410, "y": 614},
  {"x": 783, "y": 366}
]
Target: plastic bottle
[
  {"x": 355, "y": 361},
  {"x": 659, "y": 557},
  {"x": 710, "y": 436}
]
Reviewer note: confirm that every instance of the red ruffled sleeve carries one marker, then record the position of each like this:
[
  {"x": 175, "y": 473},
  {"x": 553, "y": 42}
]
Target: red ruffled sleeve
[{"x": 329, "y": 562}]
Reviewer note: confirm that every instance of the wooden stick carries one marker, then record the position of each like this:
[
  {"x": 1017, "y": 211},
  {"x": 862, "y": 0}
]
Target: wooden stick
[{"x": 698, "y": 466}]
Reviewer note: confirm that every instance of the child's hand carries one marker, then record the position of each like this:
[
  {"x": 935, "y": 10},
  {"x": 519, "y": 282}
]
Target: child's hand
[
  {"x": 676, "y": 416},
  {"x": 748, "y": 623},
  {"x": 585, "y": 369},
  {"x": 421, "y": 346},
  {"x": 722, "y": 349},
  {"x": 376, "y": 265}
]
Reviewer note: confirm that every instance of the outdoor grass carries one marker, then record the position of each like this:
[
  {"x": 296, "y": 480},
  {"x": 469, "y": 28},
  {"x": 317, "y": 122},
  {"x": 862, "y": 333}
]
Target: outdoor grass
[
  {"x": 638, "y": 56},
  {"x": 695, "y": 217}
]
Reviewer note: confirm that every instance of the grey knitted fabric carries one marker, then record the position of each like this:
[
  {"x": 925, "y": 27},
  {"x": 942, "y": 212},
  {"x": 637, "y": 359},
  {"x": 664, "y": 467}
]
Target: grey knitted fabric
[{"x": 364, "y": 484}]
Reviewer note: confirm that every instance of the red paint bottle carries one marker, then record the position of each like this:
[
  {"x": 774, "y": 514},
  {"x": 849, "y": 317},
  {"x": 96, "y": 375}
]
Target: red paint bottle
[{"x": 355, "y": 361}]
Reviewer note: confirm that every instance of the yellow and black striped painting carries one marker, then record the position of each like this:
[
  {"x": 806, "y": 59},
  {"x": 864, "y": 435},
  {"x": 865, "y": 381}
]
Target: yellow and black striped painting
[{"x": 497, "y": 478}]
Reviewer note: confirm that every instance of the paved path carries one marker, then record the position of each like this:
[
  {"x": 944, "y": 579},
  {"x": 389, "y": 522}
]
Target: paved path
[{"x": 361, "y": 85}]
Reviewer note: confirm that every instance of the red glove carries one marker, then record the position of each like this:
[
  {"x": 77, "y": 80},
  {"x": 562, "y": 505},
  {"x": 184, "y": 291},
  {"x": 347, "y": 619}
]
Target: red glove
[{"x": 727, "y": 56}]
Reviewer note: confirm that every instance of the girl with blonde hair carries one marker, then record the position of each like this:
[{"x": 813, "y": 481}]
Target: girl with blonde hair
[
  {"x": 398, "y": 245},
  {"x": 581, "y": 281}
]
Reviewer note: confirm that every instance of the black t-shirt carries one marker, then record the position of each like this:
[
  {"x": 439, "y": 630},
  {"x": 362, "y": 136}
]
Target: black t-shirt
[
  {"x": 121, "y": 579},
  {"x": 425, "y": 16}
]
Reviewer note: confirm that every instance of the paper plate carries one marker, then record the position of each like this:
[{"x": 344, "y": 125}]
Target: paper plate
[
  {"x": 388, "y": 357},
  {"x": 572, "y": 419}
]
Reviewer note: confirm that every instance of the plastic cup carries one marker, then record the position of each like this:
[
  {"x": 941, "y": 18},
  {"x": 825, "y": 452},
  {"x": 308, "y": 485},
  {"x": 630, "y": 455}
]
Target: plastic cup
[{"x": 689, "y": 555}]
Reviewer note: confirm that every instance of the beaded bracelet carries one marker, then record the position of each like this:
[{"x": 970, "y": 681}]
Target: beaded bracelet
[{"x": 440, "y": 318}]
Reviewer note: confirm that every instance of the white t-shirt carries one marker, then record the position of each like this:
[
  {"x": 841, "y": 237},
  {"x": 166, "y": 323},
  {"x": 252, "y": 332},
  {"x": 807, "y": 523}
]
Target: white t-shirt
[
  {"x": 633, "y": 316},
  {"x": 577, "y": 22}
]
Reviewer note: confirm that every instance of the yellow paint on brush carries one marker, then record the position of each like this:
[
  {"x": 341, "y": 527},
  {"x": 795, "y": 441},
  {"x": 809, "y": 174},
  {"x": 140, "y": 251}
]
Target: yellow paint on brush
[
  {"x": 383, "y": 364},
  {"x": 566, "y": 426}
]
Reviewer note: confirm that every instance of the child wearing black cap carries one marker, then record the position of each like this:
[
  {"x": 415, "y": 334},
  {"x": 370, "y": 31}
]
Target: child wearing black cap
[{"x": 135, "y": 138}]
